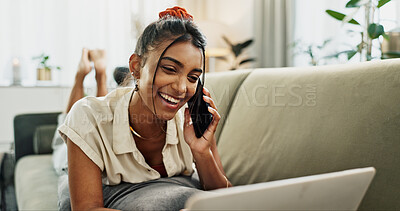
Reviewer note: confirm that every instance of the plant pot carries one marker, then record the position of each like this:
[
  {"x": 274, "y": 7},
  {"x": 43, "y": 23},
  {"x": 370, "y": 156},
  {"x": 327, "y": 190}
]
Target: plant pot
[
  {"x": 391, "y": 47},
  {"x": 43, "y": 74}
]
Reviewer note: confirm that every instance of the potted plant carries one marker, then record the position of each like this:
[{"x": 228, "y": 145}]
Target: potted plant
[
  {"x": 237, "y": 50},
  {"x": 370, "y": 30},
  {"x": 44, "y": 69}
]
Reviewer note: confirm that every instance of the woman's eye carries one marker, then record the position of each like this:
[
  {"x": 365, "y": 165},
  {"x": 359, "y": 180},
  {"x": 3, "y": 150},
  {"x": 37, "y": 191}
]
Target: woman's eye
[
  {"x": 168, "y": 69},
  {"x": 193, "y": 78}
]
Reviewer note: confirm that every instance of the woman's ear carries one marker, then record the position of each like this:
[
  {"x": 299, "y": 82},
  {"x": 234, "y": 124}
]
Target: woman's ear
[{"x": 134, "y": 65}]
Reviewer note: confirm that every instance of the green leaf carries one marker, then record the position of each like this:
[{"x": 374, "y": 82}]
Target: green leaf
[
  {"x": 384, "y": 35},
  {"x": 333, "y": 56},
  {"x": 246, "y": 43},
  {"x": 223, "y": 58},
  {"x": 382, "y": 2},
  {"x": 375, "y": 30},
  {"x": 247, "y": 60},
  {"x": 238, "y": 48},
  {"x": 340, "y": 16},
  {"x": 324, "y": 44},
  {"x": 350, "y": 54},
  {"x": 353, "y": 3},
  {"x": 227, "y": 41}
]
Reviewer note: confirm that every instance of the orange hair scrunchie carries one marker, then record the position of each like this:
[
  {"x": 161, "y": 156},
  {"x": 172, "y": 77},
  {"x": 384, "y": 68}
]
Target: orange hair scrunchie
[{"x": 176, "y": 12}]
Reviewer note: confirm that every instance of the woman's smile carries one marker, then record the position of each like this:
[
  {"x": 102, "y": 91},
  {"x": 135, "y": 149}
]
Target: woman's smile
[{"x": 169, "y": 101}]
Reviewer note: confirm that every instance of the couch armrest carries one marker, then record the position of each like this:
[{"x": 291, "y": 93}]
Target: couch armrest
[
  {"x": 24, "y": 128},
  {"x": 43, "y": 138}
]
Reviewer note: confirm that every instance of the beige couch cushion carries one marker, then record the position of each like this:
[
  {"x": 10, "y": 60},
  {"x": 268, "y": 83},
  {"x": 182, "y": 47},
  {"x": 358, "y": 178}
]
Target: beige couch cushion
[
  {"x": 36, "y": 183},
  {"x": 223, "y": 87},
  {"x": 294, "y": 122}
]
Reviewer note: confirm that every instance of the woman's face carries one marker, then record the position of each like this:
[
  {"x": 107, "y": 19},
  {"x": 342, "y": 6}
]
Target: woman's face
[{"x": 175, "y": 81}]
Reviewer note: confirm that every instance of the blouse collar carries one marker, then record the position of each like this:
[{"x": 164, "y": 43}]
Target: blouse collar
[{"x": 123, "y": 141}]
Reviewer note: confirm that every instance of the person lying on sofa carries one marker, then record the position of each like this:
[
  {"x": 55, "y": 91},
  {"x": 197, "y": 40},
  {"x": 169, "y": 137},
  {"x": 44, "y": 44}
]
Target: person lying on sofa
[
  {"x": 134, "y": 148},
  {"x": 98, "y": 57}
]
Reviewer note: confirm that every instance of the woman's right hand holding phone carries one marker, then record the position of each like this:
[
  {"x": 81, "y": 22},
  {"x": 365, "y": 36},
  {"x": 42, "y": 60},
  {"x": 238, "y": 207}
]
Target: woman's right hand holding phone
[{"x": 202, "y": 145}]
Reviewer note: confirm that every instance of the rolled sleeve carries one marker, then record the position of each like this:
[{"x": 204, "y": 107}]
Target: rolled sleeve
[
  {"x": 81, "y": 130},
  {"x": 67, "y": 132}
]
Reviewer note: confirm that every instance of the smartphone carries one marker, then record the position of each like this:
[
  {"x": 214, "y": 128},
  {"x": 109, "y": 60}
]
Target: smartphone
[{"x": 198, "y": 109}]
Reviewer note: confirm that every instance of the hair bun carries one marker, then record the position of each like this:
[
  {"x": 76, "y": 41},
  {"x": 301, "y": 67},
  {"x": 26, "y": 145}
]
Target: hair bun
[{"x": 176, "y": 11}]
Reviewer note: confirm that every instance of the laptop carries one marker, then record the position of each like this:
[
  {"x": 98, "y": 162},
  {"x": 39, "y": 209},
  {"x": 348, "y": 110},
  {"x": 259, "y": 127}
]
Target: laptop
[{"x": 341, "y": 190}]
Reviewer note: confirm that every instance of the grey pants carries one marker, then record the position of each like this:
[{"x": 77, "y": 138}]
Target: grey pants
[{"x": 161, "y": 194}]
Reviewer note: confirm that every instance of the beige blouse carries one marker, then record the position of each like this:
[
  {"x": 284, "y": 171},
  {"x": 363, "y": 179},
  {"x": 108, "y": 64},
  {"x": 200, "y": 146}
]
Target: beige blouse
[{"x": 99, "y": 126}]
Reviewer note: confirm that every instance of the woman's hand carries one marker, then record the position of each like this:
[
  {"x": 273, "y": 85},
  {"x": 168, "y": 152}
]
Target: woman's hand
[
  {"x": 204, "y": 149},
  {"x": 203, "y": 144}
]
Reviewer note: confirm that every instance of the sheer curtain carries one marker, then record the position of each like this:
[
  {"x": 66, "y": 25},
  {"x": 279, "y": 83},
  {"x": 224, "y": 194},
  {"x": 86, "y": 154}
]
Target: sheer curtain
[
  {"x": 62, "y": 28},
  {"x": 274, "y": 24}
]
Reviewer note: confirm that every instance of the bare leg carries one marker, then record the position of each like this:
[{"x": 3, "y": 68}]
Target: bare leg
[
  {"x": 99, "y": 59},
  {"x": 84, "y": 68}
]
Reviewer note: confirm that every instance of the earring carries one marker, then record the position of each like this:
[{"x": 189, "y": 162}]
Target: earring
[
  {"x": 136, "y": 86},
  {"x": 136, "y": 83}
]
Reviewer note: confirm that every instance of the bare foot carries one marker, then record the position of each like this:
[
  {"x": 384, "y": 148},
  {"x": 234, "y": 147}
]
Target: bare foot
[
  {"x": 84, "y": 64},
  {"x": 98, "y": 57}
]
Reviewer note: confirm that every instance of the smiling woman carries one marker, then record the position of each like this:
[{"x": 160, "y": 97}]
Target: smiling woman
[
  {"x": 173, "y": 82},
  {"x": 134, "y": 148}
]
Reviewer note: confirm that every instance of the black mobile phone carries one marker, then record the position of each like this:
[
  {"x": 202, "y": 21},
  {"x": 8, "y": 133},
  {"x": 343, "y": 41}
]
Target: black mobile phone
[{"x": 198, "y": 109}]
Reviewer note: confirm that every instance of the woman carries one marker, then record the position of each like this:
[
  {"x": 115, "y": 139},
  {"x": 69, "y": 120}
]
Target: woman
[{"x": 134, "y": 148}]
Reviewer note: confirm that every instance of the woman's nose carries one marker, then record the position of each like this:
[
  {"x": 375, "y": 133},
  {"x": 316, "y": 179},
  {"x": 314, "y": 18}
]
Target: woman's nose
[{"x": 180, "y": 86}]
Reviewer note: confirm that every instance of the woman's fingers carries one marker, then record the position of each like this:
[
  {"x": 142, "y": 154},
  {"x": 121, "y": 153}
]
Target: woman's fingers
[
  {"x": 206, "y": 92},
  {"x": 210, "y": 101},
  {"x": 188, "y": 119},
  {"x": 214, "y": 123},
  {"x": 213, "y": 110},
  {"x": 188, "y": 126},
  {"x": 208, "y": 98}
]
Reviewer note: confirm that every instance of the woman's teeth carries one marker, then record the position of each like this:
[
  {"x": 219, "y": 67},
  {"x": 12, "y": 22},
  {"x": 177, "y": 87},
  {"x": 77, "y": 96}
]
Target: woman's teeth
[{"x": 169, "y": 98}]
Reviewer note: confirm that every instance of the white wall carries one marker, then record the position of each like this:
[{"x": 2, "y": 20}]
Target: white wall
[{"x": 20, "y": 100}]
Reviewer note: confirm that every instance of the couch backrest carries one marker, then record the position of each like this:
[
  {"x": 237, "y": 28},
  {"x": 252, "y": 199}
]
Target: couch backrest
[
  {"x": 291, "y": 122},
  {"x": 223, "y": 87},
  {"x": 25, "y": 126}
]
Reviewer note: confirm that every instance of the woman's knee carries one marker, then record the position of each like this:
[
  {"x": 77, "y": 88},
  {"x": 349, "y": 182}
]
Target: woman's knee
[{"x": 157, "y": 197}]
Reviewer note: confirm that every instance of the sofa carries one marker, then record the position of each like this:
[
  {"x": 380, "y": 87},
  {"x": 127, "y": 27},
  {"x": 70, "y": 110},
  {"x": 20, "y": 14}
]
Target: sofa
[{"x": 277, "y": 123}]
